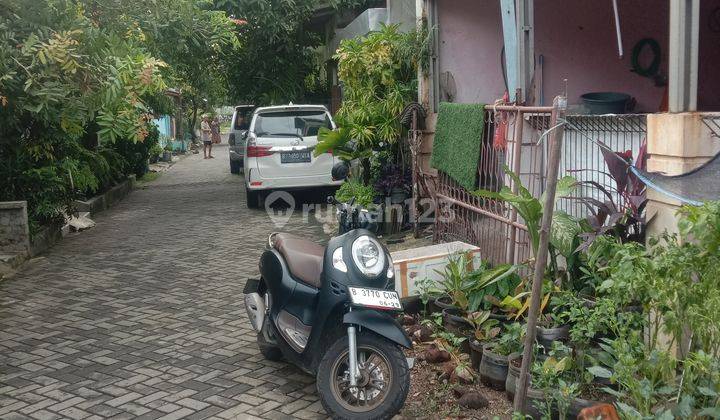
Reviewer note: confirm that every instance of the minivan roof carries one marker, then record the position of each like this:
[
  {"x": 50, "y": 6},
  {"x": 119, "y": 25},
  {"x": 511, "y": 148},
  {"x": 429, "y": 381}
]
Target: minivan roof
[
  {"x": 290, "y": 108},
  {"x": 239, "y": 107}
]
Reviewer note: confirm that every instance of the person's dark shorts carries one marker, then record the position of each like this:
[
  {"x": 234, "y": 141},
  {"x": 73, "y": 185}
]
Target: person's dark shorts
[{"x": 207, "y": 142}]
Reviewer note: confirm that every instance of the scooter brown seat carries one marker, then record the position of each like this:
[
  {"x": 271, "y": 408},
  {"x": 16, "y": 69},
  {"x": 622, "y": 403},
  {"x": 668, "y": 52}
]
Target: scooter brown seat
[{"x": 304, "y": 258}]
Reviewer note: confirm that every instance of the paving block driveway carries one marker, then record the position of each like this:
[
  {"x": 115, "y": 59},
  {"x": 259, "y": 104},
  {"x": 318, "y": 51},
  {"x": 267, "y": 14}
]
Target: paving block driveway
[{"x": 142, "y": 316}]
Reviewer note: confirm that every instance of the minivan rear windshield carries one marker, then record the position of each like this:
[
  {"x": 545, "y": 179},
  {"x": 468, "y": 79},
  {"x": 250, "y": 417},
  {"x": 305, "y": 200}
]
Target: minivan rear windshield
[
  {"x": 296, "y": 123},
  {"x": 242, "y": 119}
]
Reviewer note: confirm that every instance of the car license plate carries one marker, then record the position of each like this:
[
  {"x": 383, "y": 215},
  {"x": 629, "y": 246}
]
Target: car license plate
[
  {"x": 295, "y": 157},
  {"x": 375, "y": 298}
]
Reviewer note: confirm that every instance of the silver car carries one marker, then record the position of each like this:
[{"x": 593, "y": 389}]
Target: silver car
[{"x": 236, "y": 140}]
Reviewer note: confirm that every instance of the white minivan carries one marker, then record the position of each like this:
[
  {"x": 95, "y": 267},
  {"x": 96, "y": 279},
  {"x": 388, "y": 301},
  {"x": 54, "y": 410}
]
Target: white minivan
[{"x": 279, "y": 151}]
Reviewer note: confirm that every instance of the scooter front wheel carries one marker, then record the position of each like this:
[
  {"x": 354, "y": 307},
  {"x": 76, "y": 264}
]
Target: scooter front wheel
[{"x": 381, "y": 388}]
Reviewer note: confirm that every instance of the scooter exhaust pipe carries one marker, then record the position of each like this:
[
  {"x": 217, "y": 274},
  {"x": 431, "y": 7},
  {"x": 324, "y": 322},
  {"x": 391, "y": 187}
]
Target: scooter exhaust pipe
[{"x": 255, "y": 306}]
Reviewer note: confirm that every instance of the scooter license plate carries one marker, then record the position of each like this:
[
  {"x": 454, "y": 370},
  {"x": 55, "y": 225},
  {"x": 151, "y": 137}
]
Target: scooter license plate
[{"x": 375, "y": 298}]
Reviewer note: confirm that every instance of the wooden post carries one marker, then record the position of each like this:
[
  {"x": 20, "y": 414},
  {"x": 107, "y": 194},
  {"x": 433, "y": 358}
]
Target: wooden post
[{"x": 559, "y": 106}]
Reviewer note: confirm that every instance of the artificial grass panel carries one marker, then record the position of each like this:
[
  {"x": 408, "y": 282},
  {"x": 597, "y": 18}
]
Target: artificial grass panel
[{"x": 458, "y": 134}]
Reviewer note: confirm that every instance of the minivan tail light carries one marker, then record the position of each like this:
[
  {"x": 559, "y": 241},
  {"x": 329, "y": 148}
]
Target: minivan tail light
[{"x": 258, "y": 151}]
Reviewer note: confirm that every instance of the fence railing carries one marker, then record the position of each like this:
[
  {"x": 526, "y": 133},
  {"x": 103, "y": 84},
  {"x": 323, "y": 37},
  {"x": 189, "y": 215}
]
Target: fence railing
[{"x": 493, "y": 225}]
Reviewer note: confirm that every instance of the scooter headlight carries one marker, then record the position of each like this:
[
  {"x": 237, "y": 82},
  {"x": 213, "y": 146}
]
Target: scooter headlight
[{"x": 368, "y": 255}]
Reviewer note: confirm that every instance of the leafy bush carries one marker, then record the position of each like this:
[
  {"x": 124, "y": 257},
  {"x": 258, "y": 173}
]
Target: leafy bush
[
  {"x": 675, "y": 279},
  {"x": 77, "y": 85},
  {"x": 379, "y": 76},
  {"x": 363, "y": 194}
]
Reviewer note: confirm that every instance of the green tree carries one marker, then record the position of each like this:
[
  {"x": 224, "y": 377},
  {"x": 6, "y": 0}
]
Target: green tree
[
  {"x": 76, "y": 80},
  {"x": 277, "y": 62}
]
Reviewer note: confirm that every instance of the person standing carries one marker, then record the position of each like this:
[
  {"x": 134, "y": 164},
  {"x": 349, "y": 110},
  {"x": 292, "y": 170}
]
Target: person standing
[
  {"x": 207, "y": 143},
  {"x": 215, "y": 130}
]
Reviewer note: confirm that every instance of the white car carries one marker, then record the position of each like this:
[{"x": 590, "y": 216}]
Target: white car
[{"x": 279, "y": 151}]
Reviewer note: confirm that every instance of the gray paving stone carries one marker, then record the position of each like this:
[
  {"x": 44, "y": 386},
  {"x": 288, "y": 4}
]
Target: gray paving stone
[{"x": 142, "y": 316}]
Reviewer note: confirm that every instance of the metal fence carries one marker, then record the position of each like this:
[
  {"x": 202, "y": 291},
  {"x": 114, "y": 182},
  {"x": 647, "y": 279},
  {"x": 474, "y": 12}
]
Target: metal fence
[
  {"x": 493, "y": 225},
  {"x": 582, "y": 157},
  {"x": 488, "y": 223}
]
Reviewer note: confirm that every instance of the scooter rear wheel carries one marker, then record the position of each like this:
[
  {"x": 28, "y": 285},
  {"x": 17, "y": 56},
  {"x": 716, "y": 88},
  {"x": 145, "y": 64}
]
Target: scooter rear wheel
[{"x": 382, "y": 388}]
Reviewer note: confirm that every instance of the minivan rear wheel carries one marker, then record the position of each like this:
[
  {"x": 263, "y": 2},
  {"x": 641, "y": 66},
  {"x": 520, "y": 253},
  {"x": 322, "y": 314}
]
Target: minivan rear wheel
[
  {"x": 252, "y": 198},
  {"x": 234, "y": 166}
]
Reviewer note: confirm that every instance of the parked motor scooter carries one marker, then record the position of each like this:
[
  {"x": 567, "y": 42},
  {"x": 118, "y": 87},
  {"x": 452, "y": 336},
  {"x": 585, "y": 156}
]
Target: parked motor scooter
[{"x": 329, "y": 311}]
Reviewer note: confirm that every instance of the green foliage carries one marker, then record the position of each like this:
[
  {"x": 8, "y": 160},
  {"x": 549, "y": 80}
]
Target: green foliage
[
  {"x": 564, "y": 231},
  {"x": 467, "y": 288},
  {"x": 379, "y": 76},
  {"x": 378, "y": 73},
  {"x": 78, "y": 80},
  {"x": 676, "y": 281},
  {"x": 363, "y": 194},
  {"x": 485, "y": 327},
  {"x": 511, "y": 340},
  {"x": 554, "y": 377},
  {"x": 277, "y": 62},
  {"x": 456, "y": 148},
  {"x": 506, "y": 280}
]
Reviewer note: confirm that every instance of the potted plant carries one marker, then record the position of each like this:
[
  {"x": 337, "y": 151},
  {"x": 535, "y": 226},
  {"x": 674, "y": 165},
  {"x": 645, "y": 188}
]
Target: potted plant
[
  {"x": 453, "y": 285},
  {"x": 494, "y": 364},
  {"x": 394, "y": 182},
  {"x": 484, "y": 329},
  {"x": 154, "y": 153},
  {"x": 552, "y": 328},
  {"x": 167, "y": 152}
]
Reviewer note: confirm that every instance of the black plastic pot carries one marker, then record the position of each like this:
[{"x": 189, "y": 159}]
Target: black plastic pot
[
  {"x": 456, "y": 324},
  {"x": 502, "y": 318},
  {"x": 606, "y": 102},
  {"x": 546, "y": 336},
  {"x": 493, "y": 369},
  {"x": 444, "y": 302},
  {"x": 512, "y": 376},
  {"x": 476, "y": 351},
  {"x": 535, "y": 401}
]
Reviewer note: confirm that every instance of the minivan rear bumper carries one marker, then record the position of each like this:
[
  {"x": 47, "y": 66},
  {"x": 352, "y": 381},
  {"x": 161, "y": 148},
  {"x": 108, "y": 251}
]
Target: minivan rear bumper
[{"x": 258, "y": 183}]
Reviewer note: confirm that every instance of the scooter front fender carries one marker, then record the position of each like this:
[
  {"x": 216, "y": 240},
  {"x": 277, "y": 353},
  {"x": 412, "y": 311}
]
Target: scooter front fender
[{"x": 379, "y": 323}]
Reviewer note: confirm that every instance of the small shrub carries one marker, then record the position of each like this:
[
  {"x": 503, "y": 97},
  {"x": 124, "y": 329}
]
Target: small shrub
[{"x": 363, "y": 194}]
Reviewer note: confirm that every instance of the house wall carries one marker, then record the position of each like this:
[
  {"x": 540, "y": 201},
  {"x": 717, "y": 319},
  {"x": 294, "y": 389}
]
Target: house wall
[
  {"x": 578, "y": 42},
  {"x": 470, "y": 41}
]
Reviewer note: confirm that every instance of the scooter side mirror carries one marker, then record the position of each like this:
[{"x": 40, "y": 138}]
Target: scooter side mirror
[{"x": 340, "y": 171}]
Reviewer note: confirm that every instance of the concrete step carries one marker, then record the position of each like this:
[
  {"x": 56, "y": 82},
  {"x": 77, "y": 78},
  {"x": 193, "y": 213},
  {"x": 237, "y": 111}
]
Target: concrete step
[{"x": 10, "y": 262}]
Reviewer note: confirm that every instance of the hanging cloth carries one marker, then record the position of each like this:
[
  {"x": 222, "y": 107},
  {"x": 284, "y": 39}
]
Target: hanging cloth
[{"x": 501, "y": 122}]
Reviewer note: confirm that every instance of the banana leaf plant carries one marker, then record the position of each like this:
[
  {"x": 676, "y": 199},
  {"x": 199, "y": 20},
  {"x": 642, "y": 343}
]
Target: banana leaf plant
[
  {"x": 564, "y": 233},
  {"x": 466, "y": 287}
]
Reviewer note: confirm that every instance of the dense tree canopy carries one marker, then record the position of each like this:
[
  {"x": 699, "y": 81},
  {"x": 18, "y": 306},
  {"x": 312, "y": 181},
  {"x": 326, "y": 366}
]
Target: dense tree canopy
[
  {"x": 278, "y": 59},
  {"x": 73, "y": 72}
]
